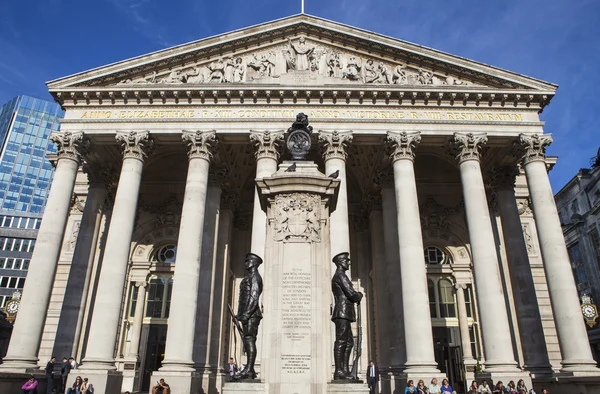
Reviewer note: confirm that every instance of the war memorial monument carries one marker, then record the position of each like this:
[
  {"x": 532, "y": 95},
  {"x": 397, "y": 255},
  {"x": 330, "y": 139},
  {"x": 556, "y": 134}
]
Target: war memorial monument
[{"x": 298, "y": 175}]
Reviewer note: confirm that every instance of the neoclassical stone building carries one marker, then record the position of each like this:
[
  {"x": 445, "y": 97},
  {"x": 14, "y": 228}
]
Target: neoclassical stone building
[{"x": 444, "y": 204}]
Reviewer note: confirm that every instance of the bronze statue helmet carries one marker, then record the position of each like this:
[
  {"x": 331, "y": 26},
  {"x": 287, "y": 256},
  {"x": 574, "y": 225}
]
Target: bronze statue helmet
[
  {"x": 341, "y": 256},
  {"x": 257, "y": 260}
]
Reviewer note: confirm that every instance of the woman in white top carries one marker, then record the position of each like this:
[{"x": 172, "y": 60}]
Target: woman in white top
[
  {"x": 434, "y": 388},
  {"x": 484, "y": 388}
]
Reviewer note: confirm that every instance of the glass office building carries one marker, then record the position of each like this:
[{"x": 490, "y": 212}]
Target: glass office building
[{"x": 25, "y": 177}]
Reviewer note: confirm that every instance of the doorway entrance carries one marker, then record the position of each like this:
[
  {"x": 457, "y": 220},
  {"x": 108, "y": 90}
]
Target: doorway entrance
[
  {"x": 449, "y": 356},
  {"x": 152, "y": 355}
]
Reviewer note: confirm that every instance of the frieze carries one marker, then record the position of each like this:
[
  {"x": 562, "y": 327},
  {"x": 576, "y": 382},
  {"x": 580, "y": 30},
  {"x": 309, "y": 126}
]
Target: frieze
[
  {"x": 297, "y": 217},
  {"x": 297, "y": 60}
]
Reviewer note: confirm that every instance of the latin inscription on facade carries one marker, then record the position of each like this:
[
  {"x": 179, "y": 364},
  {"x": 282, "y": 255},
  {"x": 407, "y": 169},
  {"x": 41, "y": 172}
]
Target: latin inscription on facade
[{"x": 314, "y": 114}]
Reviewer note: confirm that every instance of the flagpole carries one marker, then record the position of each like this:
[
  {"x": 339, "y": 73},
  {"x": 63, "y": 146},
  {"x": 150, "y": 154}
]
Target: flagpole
[{"x": 302, "y": 2}]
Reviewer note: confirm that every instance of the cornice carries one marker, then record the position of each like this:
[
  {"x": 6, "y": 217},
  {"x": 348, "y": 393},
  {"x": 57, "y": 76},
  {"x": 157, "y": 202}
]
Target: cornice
[{"x": 438, "y": 96}]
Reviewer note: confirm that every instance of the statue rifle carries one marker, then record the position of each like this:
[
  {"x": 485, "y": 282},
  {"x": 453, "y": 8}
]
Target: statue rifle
[
  {"x": 236, "y": 322},
  {"x": 354, "y": 372}
]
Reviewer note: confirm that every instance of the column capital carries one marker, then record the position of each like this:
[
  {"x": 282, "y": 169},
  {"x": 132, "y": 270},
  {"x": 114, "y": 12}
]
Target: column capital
[
  {"x": 402, "y": 146},
  {"x": 335, "y": 144},
  {"x": 200, "y": 144},
  {"x": 71, "y": 145},
  {"x": 135, "y": 144},
  {"x": 141, "y": 283},
  {"x": 503, "y": 178},
  {"x": 230, "y": 199},
  {"x": 533, "y": 147},
  {"x": 460, "y": 286},
  {"x": 100, "y": 176},
  {"x": 467, "y": 146},
  {"x": 267, "y": 144},
  {"x": 217, "y": 175}
]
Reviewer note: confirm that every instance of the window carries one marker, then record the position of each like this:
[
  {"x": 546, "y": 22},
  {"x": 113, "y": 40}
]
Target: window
[
  {"x": 441, "y": 298},
  {"x": 167, "y": 254},
  {"x": 134, "y": 295},
  {"x": 432, "y": 302},
  {"x": 158, "y": 303},
  {"x": 595, "y": 241},
  {"x": 474, "y": 349},
  {"x": 435, "y": 256},
  {"x": 579, "y": 272},
  {"x": 469, "y": 302}
]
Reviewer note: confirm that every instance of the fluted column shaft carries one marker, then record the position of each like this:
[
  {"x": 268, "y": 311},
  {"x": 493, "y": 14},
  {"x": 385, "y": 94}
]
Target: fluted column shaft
[
  {"x": 27, "y": 331},
  {"x": 535, "y": 353},
  {"x": 463, "y": 324},
  {"x": 184, "y": 300},
  {"x": 415, "y": 298},
  {"x": 267, "y": 146},
  {"x": 111, "y": 282},
  {"x": 335, "y": 151},
  {"x": 572, "y": 336},
  {"x": 499, "y": 356},
  {"x": 138, "y": 318}
]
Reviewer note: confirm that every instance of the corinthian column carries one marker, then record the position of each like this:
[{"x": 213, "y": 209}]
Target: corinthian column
[
  {"x": 184, "y": 301},
  {"x": 136, "y": 146},
  {"x": 572, "y": 336},
  {"x": 463, "y": 324},
  {"x": 27, "y": 331},
  {"x": 415, "y": 297},
  {"x": 535, "y": 353},
  {"x": 138, "y": 318},
  {"x": 335, "y": 151},
  {"x": 267, "y": 145},
  {"x": 499, "y": 356}
]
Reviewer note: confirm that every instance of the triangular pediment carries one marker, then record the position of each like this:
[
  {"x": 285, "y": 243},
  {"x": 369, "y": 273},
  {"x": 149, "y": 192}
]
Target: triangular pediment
[{"x": 299, "y": 50}]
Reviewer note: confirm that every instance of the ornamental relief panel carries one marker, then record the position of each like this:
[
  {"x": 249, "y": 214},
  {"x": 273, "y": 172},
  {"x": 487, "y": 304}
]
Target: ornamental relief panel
[
  {"x": 298, "y": 61},
  {"x": 297, "y": 217}
]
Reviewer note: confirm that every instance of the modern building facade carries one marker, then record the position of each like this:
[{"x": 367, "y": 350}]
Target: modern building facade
[
  {"x": 162, "y": 187},
  {"x": 25, "y": 178},
  {"x": 578, "y": 204}
]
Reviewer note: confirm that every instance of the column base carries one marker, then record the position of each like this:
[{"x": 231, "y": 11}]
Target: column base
[
  {"x": 178, "y": 381},
  {"x": 501, "y": 367},
  {"x": 177, "y": 366},
  {"x": 98, "y": 364},
  {"x": 244, "y": 387},
  {"x": 104, "y": 381},
  {"x": 421, "y": 367},
  {"x": 579, "y": 366},
  {"x": 19, "y": 364},
  {"x": 539, "y": 371}
]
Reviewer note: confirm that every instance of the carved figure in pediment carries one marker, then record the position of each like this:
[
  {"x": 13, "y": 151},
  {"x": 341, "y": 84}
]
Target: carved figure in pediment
[
  {"x": 238, "y": 70},
  {"x": 302, "y": 52},
  {"x": 217, "y": 71},
  {"x": 229, "y": 67},
  {"x": 399, "y": 75},
  {"x": 140, "y": 80},
  {"x": 263, "y": 65},
  {"x": 424, "y": 77},
  {"x": 174, "y": 76},
  {"x": 334, "y": 66},
  {"x": 376, "y": 73},
  {"x": 353, "y": 69},
  {"x": 456, "y": 81},
  {"x": 194, "y": 76}
]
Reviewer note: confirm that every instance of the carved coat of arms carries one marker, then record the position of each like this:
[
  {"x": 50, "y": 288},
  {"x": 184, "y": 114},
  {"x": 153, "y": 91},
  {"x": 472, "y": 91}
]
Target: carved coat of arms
[{"x": 297, "y": 217}]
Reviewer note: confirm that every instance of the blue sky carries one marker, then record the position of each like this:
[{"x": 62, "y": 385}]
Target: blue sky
[{"x": 552, "y": 40}]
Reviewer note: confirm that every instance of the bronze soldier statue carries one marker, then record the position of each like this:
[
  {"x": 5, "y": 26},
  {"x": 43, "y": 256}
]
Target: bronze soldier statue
[
  {"x": 343, "y": 316},
  {"x": 249, "y": 313}
]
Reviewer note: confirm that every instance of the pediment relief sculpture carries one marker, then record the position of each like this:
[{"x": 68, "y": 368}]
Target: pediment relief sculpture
[{"x": 296, "y": 61}]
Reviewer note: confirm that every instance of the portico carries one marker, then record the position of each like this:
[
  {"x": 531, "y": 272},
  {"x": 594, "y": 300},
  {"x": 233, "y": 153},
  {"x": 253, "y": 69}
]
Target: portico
[{"x": 437, "y": 157}]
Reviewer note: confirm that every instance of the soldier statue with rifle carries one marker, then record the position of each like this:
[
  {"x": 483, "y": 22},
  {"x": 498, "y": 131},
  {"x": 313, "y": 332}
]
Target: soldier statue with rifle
[
  {"x": 249, "y": 314},
  {"x": 343, "y": 316}
]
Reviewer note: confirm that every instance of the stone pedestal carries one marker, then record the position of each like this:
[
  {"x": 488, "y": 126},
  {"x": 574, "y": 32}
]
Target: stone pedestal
[
  {"x": 297, "y": 341},
  {"x": 347, "y": 388},
  {"x": 183, "y": 382},
  {"x": 243, "y": 387},
  {"x": 103, "y": 380}
]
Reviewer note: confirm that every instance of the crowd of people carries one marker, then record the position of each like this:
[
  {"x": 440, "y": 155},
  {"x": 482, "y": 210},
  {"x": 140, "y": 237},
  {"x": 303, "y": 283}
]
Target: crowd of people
[
  {"x": 79, "y": 386},
  {"x": 475, "y": 388}
]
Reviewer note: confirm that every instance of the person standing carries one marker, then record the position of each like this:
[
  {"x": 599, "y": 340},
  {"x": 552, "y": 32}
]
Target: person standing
[
  {"x": 372, "y": 377},
  {"x": 64, "y": 374},
  {"x": 232, "y": 368},
  {"x": 343, "y": 316},
  {"x": 50, "y": 375}
]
